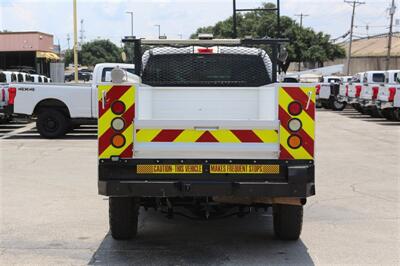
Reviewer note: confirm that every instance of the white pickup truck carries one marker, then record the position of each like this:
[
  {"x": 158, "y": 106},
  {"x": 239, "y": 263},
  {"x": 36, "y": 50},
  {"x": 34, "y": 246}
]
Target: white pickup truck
[
  {"x": 388, "y": 98},
  {"x": 327, "y": 93},
  {"x": 204, "y": 132},
  {"x": 372, "y": 80},
  {"x": 59, "y": 107}
]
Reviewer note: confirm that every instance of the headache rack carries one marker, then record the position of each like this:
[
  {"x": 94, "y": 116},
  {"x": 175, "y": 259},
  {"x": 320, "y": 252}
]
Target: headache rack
[{"x": 139, "y": 45}]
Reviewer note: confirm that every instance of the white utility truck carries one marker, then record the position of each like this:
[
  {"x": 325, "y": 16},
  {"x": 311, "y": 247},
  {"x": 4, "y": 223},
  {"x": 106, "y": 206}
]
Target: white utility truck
[
  {"x": 204, "y": 132},
  {"x": 372, "y": 80},
  {"x": 59, "y": 107},
  {"x": 327, "y": 93},
  {"x": 388, "y": 98}
]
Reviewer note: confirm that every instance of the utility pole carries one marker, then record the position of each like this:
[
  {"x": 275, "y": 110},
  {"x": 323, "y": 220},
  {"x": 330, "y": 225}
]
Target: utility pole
[
  {"x": 301, "y": 15},
  {"x": 131, "y": 13},
  {"x": 392, "y": 10},
  {"x": 75, "y": 44},
  {"x": 354, "y": 4},
  {"x": 68, "y": 38}
]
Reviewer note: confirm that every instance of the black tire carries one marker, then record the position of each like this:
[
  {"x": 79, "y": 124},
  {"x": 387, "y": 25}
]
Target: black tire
[
  {"x": 396, "y": 114},
  {"x": 356, "y": 106},
  {"x": 123, "y": 217},
  {"x": 288, "y": 221},
  {"x": 388, "y": 114},
  {"x": 338, "y": 106},
  {"x": 52, "y": 123},
  {"x": 318, "y": 104},
  {"x": 375, "y": 113}
]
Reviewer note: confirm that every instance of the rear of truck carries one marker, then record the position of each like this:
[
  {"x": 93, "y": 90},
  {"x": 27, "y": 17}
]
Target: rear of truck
[{"x": 206, "y": 129}]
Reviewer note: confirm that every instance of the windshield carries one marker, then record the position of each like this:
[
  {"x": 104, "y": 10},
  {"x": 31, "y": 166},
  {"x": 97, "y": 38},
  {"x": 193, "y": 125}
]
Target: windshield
[{"x": 233, "y": 70}]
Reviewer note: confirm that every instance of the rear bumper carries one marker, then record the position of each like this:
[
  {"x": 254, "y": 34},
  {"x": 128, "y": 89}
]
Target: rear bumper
[{"x": 120, "y": 178}]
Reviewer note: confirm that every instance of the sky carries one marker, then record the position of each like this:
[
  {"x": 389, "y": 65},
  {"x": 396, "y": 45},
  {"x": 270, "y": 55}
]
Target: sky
[{"x": 107, "y": 19}]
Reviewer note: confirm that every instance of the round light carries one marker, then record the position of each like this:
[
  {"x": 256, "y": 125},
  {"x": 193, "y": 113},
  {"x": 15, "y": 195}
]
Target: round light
[
  {"x": 295, "y": 108},
  {"x": 118, "y": 107},
  {"x": 118, "y": 124},
  {"x": 294, "y": 124},
  {"x": 294, "y": 141},
  {"x": 118, "y": 141}
]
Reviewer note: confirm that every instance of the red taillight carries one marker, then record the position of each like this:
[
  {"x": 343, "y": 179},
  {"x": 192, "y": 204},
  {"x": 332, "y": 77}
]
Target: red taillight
[
  {"x": 12, "y": 92},
  {"x": 118, "y": 107},
  {"x": 205, "y": 50},
  {"x": 347, "y": 90},
  {"x": 358, "y": 90},
  {"x": 392, "y": 93},
  {"x": 318, "y": 87},
  {"x": 375, "y": 91},
  {"x": 295, "y": 108}
]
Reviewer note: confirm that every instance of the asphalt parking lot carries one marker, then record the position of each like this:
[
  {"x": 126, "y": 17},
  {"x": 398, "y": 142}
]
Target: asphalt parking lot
[{"x": 51, "y": 213}]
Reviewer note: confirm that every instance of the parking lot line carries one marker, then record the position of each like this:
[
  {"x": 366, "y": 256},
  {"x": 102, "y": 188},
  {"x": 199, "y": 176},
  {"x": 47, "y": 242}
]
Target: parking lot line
[{"x": 28, "y": 127}]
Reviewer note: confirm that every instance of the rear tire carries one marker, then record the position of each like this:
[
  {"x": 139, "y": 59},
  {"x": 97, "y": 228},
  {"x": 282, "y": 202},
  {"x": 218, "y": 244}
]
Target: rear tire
[
  {"x": 338, "y": 106},
  {"x": 123, "y": 217},
  {"x": 388, "y": 114},
  {"x": 396, "y": 114},
  {"x": 288, "y": 221},
  {"x": 52, "y": 123}
]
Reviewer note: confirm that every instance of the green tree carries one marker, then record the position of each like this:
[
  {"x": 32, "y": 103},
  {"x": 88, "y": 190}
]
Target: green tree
[
  {"x": 305, "y": 45},
  {"x": 95, "y": 52}
]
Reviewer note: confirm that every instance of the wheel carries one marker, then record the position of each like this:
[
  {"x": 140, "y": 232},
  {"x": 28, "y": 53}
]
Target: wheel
[
  {"x": 396, "y": 114},
  {"x": 288, "y": 221},
  {"x": 338, "y": 106},
  {"x": 318, "y": 104},
  {"x": 388, "y": 114},
  {"x": 356, "y": 106},
  {"x": 52, "y": 123},
  {"x": 123, "y": 217},
  {"x": 375, "y": 113}
]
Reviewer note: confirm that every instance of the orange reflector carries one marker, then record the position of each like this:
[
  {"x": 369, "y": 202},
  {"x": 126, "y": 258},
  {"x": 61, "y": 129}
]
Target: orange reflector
[
  {"x": 294, "y": 141},
  {"x": 118, "y": 141}
]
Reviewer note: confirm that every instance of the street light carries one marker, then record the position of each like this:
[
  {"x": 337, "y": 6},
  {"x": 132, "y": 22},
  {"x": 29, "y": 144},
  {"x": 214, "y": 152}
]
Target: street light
[
  {"x": 159, "y": 30},
  {"x": 131, "y": 13}
]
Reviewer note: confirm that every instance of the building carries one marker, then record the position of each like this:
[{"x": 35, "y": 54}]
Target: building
[
  {"x": 370, "y": 54},
  {"x": 27, "y": 50}
]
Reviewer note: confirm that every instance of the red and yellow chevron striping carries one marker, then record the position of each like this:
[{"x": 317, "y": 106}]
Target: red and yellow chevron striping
[
  {"x": 210, "y": 136},
  {"x": 305, "y": 96},
  {"x": 125, "y": 97}
]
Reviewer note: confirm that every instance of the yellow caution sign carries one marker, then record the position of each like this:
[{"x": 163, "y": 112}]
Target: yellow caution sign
[
  {"x": 244, "y": 169},
  {"x": 169, "y": 169}
]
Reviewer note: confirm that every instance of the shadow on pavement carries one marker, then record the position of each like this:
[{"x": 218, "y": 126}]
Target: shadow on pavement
[{"x": 233, "y": 241}]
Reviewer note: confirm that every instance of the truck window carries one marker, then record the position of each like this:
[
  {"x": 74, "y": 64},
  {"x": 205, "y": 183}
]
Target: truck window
[
  {"x": 20, "y": 77},
  {"x": 106, "y": 73},
  {"x": 40, "y": 79},
  {"x": 13, "y": 77},
  {"x": 202, "y": 70},
  {"x": 378, "y": 77},
  {"x": 3, "y": 77}
]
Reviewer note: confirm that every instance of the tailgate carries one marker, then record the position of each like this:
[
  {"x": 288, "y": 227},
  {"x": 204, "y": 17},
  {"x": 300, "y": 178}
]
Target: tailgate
[{"x": 207, "y": 122}]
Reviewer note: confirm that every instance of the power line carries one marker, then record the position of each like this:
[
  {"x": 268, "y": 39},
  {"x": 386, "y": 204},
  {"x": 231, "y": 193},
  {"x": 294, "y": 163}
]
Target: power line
[{"x": 354, "y": 5}]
